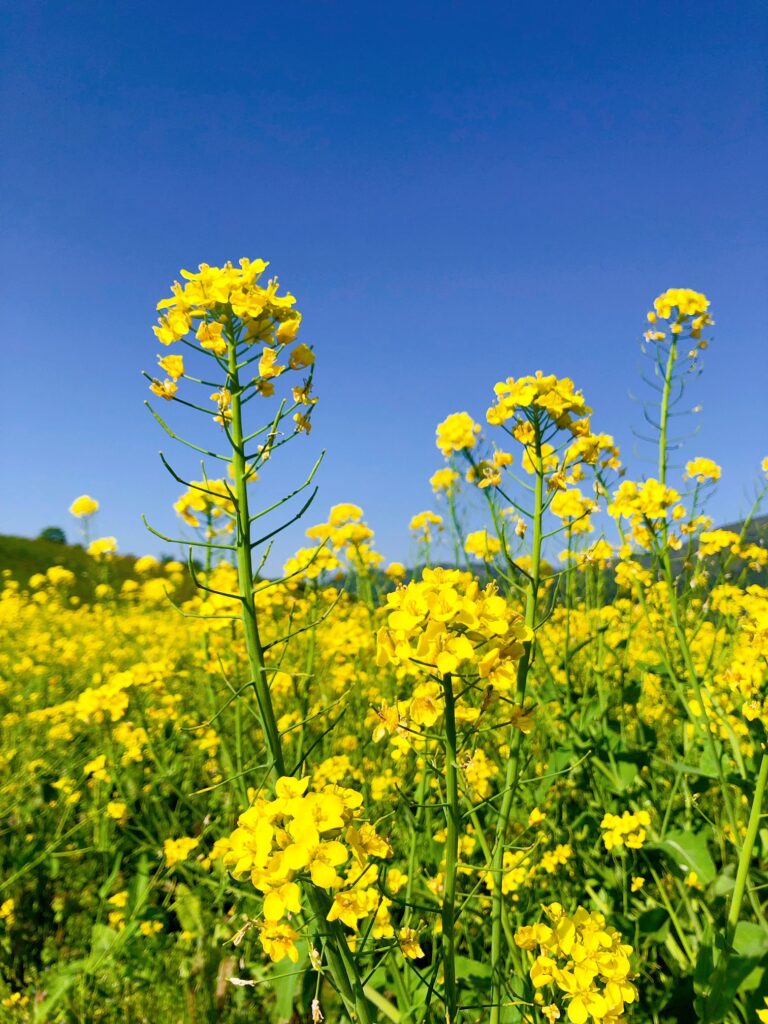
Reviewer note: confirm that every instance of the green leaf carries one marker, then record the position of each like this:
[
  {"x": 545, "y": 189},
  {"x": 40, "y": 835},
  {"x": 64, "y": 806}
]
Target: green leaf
[
  {"x": 751, "y": 940},
  {"x": 626, "y": 772},
  {"x": 690, "y": 769},
  {"x": 652, "y": 921},
  {"x": 705, "y": 964},
  {"x": 725, "y": 984},
  {"x": 285, "y": 979},
  {"x": 690, "y": 852},
  {"x": 467, "y": 969},
  {"x": 56, "y": 987},
  {"x": 724, "y": 884},
  {"x": 188, "y": 910}
]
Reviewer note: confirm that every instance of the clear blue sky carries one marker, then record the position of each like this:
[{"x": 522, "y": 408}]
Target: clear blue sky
[{"x": 456, "y": 192}]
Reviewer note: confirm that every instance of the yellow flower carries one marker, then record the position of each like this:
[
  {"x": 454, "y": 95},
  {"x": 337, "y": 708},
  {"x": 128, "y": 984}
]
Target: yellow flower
[
  {"x": 556, "y": 398},
  {"x": 117, "y": 810},
  {"x": 456, "y": 433},
  {"x": 430, "y": 622},
  {"x": 424, "y": 521},
  {"x": 211, "y": 338},
  {"x": 408, "y": 939},
  {"x": 551, "y": 860},
  {"x": 145, "y": 564},
  {"x": 701, "y": 469},
  {"x": 7, "y": 908},
  {"x": 482, "y": 545},
  {"x": 103, "y": 547},
  {"x": 349, "y": 907},
  {"x": 163, "y": 389},
  {"x": 444, "y": 480},
  {"x": 268, "y": 367},
  {"x": 630, "y": 829},
  {"x": 84, "y": 506},
  {"x": 571, "y": 505},
  {"x": 682, "y": 302},
  {"x": 173, "y": 366},
  {"x": 713, "y": 541},
  {"x": 97, "y": 768},
  {"x": 301, "y": 357},
  {"x": 395, "y": 571},
  {"x": 396, "y": 880},
  {"x": 287, "y": 331},
  {"x": 365, "y": 842},
  {"x": 177, "y": 850},
  {"x": 584, "y": 960},
  {"x": 279, "y": 941}
]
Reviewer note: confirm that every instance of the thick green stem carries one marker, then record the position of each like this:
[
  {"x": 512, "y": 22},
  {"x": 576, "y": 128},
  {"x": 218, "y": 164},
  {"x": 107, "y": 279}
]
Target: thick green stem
[
  {"x": 340, "y": 961},
  {"x": 253, "y": 645},
  {"x": 664, "y": 417},
  {"x": 339, "y": 958},
  {"x": 516, "y": 736},
  {"x": 742, "y": 874},
  {"x": 452, "y": 815}
]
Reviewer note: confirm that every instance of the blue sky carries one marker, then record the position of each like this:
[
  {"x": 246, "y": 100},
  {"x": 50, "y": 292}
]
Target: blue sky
[{"x": 455, "y": 192}]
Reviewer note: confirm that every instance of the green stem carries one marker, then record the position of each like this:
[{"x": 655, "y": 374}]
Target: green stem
[
  {"x": 516, "y": 736},
  {"x": 742, "y": 876},
  {"x": 340, "y": 962},
  {"x": 253, "y": 645},
  {"x": 664, "y": 418},
  {"x": 742, "y": 873},
  {"x": 451, "y": 853}
]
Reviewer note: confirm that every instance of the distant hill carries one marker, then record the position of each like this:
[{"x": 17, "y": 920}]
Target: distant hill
[
  {"x": 22, "y": 557},
  {"x": 757, "y": 530}
]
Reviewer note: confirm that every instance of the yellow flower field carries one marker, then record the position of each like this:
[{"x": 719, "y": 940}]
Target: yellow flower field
[{"x": 523, "y": 784}]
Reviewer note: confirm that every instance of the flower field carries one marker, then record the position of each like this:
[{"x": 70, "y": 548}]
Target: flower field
[{"x": 521, "y": 780}]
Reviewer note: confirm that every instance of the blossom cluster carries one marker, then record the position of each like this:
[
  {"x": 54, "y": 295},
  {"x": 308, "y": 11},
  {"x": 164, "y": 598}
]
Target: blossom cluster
[
  {"x": 533, "y": 410},
  {"x": 646, "y": 506},
  {"x": 343, "y": 536},
  {"x": 226, "y": 307},
  {"x": 208, "y": 502},
  {"x": 446, "y": 620},
  {"x": 582, "y": 962},
  {"x": 84, "y": 506},
  {"x": 555, "y": 397},
  {"x": 628, "y": 829},
  {"x": 684, "y": 309},
  {"x": 304, "y": 835}
]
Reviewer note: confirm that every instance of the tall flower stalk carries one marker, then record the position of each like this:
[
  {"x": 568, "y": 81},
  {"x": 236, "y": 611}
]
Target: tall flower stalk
[{"x": 239, "y": 326}]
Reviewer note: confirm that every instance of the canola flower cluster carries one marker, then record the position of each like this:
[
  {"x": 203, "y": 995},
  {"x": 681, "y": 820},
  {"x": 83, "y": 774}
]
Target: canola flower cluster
[
  {"x": 226, "y": 307},
  {"x": 532, "y": 411},
  {"x": 447, "y": 620},
  {"x": 208, "y": 504},
  {"x": 628, "y": 829},
  {"x": 685, "y": 311},
  {"x": 582, "y": 963},
  {"x": 343, "y": 540},
  {"x": 307, "y": 834}
]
